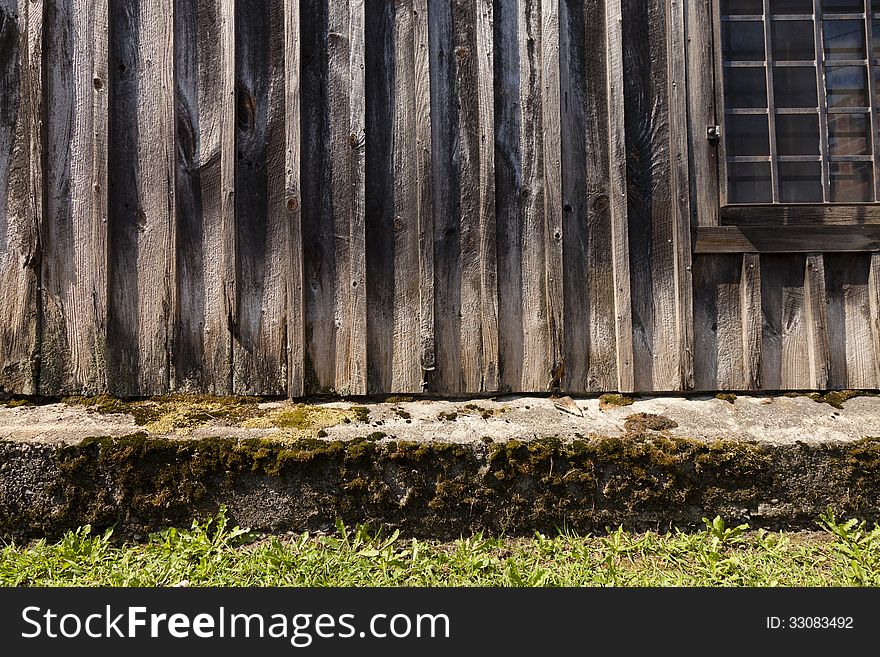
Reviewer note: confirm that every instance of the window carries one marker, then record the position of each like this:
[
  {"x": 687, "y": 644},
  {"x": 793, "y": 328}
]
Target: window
[{"x": 785, "y": 131}]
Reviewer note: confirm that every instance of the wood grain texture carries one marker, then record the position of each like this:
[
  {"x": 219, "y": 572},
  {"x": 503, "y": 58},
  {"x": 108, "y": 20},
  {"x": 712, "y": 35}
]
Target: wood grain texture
[
  {"x": 874, "y": 308},
  {"x": 851, "y": 347},
  {"x": 719, "y": 323},
  {"x": 261, "y": 246},
  {"x": 205, "y": 180},
  {"x": 142, "y": 205},
  {"x": 466, "y": 302},
  {"x": 786, "y": 239},
  {"x": 619, "y": 195},
  {"x": 752, "y": 320},
  {"x": 21, "y": 191},
  {"x": 702, "y": 113},
  {"x": 785, "y": 364},
  {"x": 295, "y": 336},
  {"x": 681, "y": 191},
  {"x": 817, "y": 321},
  {"x": 74, "y": 234},
  {"x": 800, "y": 215},
  {"x": 653, "y": 205}
]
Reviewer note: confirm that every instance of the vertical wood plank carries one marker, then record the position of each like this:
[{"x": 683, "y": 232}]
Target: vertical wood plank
[
  {"x": 618, "y": 193},
  {"x": 874, "y": 305},
  {"x": 293, "y": 204},
  {"x": 750, "y": 303},
  {"x": 259, "y": 357},
  {"x": 850, "y": 341},
  {"x": 701, "y": 109},
  {"x": 681, "y": 189},
  {"x": 21, "y": 191},
  {"x": 552, "y": 155},
  {"x": 205, "y": 115},
  {"x": 784, "y": 361},
  {"x": 74, "y": 235},
  {"x": 719, "y": 356},
  {"x": 142, "y": 249},
  {"x": 817, "y": 321},
  {"x": 345, "y": 45}
]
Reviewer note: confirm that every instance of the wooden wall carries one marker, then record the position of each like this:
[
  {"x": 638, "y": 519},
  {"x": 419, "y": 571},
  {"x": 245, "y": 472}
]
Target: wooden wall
[{"x": 365, "y": 196}]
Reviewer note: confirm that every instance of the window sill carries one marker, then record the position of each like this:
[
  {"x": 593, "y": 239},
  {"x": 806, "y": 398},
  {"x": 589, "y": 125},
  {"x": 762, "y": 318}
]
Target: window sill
[{"x": 787, "y": 239}]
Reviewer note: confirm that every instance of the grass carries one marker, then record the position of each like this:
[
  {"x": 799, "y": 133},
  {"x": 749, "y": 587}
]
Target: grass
[{"x": 213, "y": 553}]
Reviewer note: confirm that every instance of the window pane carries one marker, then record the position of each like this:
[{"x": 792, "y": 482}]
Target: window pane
[
  {"x": 842, "y": 6},
  {"x": 875, "y": 33},
  {"x": 749, "y": 182},
  {"x": 800, "y": 182},
  {"x": 793, "y": 41},
  {"x": 742, "y": 6},
  {"x": 849, "y": 134},
  {"x": 747, "y": 134},
  {"x": 850, "y": 182},
  {"x": 743, "y": 41},
  {"x": 794, "y": 86},
  {"x": 791, "y": 7},
  {"x": 844, "y": 39},
  {"x": 797, "y": 134},
  {"x": 846, "y": 86},
  {"x": 745, "y": 87}
]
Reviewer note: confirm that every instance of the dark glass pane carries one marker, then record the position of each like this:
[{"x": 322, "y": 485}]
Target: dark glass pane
[
  {"x": 844, "y": 39},
  {"x": 875, "y": 34},
  {"x": 745, "y": 87},
  {"x": 739, "y": 7},
  {"x": 797, "y": 134},
  {"x": 747, "y": 134},
  {"x": 842, "y": 6},
  {"x": 749, "y": 182},
  {"x": 849, "y": 134},
  {"x": 846, "y": 86},
  {"x": 794, "y": 86},
  {"x": 743, "y": 41},
  {"x": 850, "y": 182},
  {"x": 791, "y": 7},
  {"x": 800, "y": 182},
  {"x": 793, "y": 40}
]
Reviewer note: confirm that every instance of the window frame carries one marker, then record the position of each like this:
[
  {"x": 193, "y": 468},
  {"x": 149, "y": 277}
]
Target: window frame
[{"x": 760, "y": 228}]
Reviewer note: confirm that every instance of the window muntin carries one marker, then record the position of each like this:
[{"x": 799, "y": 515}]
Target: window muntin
[{"x": 799, "y": 87}]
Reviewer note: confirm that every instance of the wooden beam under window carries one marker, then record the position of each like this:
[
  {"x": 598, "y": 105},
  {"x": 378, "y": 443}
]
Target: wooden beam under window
[{"x": 786, "y": 239}]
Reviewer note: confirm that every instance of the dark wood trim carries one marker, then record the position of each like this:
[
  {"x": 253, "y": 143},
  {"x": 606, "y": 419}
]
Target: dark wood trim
[
  {"x": 786, "y": 239},
  {"x": 800, "y": 215}
]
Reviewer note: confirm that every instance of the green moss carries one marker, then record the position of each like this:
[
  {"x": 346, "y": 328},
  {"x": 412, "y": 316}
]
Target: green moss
[
  {"x": 398, "y": 399},
  {"x": 641, "y": 422},
  {"x": 361, "y": 413},
  {"x": 448, "y": 416},
  {"x": 17, "y": 402},
  {"x": 403, "y": 414},
  {"x": 729, "y": 397},
  {"x": 615, "y": 399},
  {"x": 836, "y": 398}
]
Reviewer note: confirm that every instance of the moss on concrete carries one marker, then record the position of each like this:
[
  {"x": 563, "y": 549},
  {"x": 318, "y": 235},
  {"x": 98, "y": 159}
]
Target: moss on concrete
[
  {"x": 837, "y": 398},
  {"x": 641, "y": 422},
  {"x": 729, "y": 397},
  {"x": 16, "y": 402},
  {"x": 615, "y": 399}
]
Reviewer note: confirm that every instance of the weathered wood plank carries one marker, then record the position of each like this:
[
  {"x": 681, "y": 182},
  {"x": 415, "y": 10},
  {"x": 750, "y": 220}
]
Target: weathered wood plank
[
  {"x": 851, "y": 349},
  {"x": 752, "y": 320},
  {"x": 551, "y": 109},
  {"x": 718, "y": 322},
  {"x": 784, "y": 361},
  {"x": 74, "y": 234},
  {"x": 142, "y": 199},
  {"x": 786, "y": 239},
  {"x": 295, "y": 338},
  {"x": 462, "y": 114},
  {"x": 619, "y": 195},
  {"x": 205, "y": 114},
  {"x": 681, "y": 190},
  {"x": 817, "y": 320},
  {"x": 259, "y": 348},
  {"x": 701, "y": 109},
  {"x": 874, "y": 316},
  {"x": 408, "y": 277},
  {"x": 800, "y": 215},
  {"x": 652, "y": 200},
  {"x": 21, "y": 191}
]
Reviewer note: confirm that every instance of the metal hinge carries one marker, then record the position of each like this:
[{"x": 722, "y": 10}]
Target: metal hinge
[{"x": 713, "y": 133}]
